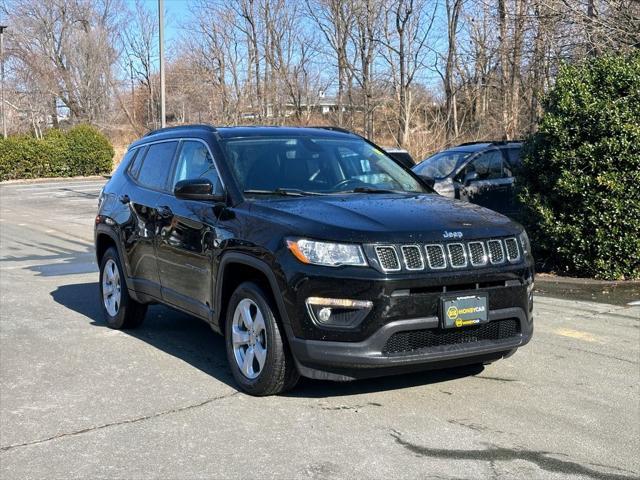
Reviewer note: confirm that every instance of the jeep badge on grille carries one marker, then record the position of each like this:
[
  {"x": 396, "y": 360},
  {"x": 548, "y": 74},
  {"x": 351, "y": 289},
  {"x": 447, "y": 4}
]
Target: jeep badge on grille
[{"x": 447, "y": 234}]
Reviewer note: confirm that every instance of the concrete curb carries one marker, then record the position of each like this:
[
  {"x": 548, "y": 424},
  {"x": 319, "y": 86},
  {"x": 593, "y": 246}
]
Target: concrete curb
[
  {"x": 52, "y": 179},
  {"x": 612, "y": 292}
]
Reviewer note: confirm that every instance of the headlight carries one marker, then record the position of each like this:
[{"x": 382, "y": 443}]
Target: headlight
[
  {"x": 524, "y": 241},
  {"x": 326, "y": 253}
]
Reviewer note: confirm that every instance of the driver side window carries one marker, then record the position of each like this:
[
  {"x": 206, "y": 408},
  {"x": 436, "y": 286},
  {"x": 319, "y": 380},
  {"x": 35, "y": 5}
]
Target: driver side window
[
  {"x": 488, "y": 166},
  {"x": 195, "y": 161}
]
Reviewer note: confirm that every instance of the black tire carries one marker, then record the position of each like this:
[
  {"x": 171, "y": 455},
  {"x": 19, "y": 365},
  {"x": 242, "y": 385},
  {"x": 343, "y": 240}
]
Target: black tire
[
  {"x": 128, "y": 313},
  {"x": 279, "y": 372}
]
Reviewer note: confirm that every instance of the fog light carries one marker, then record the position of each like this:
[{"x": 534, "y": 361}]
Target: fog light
[
  {"x": 324, "y": 314},
  {"x": 338, "y": 312}
]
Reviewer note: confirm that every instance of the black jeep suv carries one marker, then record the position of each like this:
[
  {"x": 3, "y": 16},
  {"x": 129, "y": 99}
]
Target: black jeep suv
[{"x": 312, "y": 251}]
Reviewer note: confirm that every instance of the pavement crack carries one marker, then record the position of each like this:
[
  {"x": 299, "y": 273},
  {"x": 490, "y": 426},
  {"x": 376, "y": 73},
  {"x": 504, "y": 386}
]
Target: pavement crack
[
  {"x": 351, "y": 407},
  {"x": 493, "y": 454},
  {"x": 497, "y": 379},
  {"x": 477, "y": 427},
  {"x": 115, "y": 424}
]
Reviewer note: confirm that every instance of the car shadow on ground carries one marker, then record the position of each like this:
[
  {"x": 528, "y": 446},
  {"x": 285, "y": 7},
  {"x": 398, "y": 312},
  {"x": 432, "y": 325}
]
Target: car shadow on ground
[{"x": 193, "y": 341}]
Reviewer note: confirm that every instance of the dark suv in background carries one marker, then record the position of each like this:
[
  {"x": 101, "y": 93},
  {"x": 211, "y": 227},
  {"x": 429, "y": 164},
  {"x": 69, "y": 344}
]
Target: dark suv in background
[
  {"x": 478, "y": 172},
  {"x": 312, "y": 251}
]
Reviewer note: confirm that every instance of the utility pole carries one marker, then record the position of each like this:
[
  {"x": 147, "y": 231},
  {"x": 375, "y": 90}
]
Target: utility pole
[
  {"x": 163, "y": 120},
  {"x": 2, "y": 105},
  {"x": 133, "y": 93}
]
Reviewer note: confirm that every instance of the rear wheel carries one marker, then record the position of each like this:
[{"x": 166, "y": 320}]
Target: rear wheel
[
  {"x": 258, "y": 355},
  {"x": 118, "y": 308}
]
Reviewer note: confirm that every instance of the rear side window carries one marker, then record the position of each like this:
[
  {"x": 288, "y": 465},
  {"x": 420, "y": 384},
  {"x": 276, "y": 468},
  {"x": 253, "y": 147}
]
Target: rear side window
[
  {"x": 488, "y": 165},
  {"x": 156, "y": 166},
  {"x": 514, "y": 157}
]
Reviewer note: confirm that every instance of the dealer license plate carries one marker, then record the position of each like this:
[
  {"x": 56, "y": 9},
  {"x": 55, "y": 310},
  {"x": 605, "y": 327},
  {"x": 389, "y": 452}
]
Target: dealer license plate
[{"x": 463, "y": 311}]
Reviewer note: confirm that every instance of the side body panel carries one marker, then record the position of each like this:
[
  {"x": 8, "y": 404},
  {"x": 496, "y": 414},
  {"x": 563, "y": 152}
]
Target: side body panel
[{"x": 185, "y": 247}]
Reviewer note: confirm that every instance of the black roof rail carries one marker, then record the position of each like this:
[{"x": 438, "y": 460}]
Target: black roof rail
[
  {"x": 492, "y": 142},
  {"x": 199, "y": 126},
  {"x": 470, "y": 143},
  {"x": 332, "y": 128},
  {"x": 506, "y": 142}
]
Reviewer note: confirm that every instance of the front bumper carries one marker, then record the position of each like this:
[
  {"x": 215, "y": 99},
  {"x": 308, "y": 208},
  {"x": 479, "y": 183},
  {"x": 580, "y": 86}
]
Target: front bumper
[
  {"x": 407, "y": 304},
  {"x": 350, "y": 360}
]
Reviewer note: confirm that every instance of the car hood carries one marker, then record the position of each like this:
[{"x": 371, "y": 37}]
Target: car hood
[{"x": 370, "y": 218}]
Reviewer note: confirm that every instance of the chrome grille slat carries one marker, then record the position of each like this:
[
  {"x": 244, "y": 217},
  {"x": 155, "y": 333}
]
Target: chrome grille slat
[
  {"x": 412, "y": 257},
  {"x": 477, "y": 254},
  {"x": 457, "y": 255},
  {"x": 435, "y": 256},
  {"x": 513, "y": 252},
  {"x": 496, "y": 251},
  {"x": 388, "y": 258},
  {"x": 448, "y": 255}
]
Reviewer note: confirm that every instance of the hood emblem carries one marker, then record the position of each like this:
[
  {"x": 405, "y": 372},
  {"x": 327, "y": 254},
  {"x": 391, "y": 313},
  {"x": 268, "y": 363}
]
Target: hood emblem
[{"x": 448, "y": 234}]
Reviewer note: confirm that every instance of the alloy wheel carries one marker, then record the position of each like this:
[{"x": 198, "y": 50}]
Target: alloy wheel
[
  {"x": 111, "y": 287},
  {"x": 249, "y": 338}
]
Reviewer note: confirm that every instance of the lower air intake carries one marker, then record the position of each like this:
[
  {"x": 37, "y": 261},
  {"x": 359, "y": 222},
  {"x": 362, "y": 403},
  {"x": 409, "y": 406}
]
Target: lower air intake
[{"x": 414, "y": 340}]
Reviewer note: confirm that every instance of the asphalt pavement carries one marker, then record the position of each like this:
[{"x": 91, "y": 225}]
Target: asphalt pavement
[{"x": 79, "y": 400}]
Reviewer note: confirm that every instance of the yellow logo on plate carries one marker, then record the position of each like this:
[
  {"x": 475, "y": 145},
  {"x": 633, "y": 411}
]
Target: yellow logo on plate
[
  {"x": 459, "y": 323},
  {"x": 452, "y": 313}
]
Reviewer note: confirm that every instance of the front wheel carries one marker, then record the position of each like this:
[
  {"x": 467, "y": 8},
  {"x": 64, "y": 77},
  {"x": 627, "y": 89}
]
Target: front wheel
[
  {"x": 258, "y": 355},
  {"x": 118, "y": 308}
]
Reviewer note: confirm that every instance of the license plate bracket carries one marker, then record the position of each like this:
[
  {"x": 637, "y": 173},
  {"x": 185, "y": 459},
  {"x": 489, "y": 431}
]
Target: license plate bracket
[{"x": 463, "y": 310}]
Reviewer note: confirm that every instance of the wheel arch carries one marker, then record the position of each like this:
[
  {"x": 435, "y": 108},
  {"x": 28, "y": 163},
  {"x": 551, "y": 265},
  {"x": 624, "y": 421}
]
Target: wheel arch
[
  {"x": 106, "y": 237},
  {"x": 236, "y": 268}
]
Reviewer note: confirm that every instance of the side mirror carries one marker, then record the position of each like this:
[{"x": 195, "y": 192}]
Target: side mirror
[
  {"x": 197, "y": 189},
  {"x": 470, "y": 177}
]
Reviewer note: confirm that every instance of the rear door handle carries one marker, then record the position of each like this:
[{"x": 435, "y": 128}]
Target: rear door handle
[
  {"x": 164, "y": 211},
  {"x": 124, "y": 199}
]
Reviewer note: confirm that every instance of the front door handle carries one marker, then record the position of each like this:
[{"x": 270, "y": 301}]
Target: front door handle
[
  {"x": 124, "y": 199},
  {"x": 164, "y": 211}
]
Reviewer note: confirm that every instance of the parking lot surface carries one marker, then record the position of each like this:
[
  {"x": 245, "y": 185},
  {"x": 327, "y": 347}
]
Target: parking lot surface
[{"x": 79, "y": 400}]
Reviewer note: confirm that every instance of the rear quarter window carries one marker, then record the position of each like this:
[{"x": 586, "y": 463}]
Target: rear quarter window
[{"x": 136, "y": 161}]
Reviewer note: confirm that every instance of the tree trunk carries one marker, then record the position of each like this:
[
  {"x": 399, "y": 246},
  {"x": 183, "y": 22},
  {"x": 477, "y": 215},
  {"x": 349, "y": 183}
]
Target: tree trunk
[{"x": 504, "y": 95}]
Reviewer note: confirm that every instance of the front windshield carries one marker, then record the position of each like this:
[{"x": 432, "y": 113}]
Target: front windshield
[
  {"x": 320, "y": 165},
  {"x": 441, "y": 165}
]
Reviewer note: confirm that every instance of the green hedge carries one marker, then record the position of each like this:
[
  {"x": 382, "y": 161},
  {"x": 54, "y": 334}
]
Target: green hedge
[
  {"x": 581, "y": 177},
  {"x": 79, "y": 151}
]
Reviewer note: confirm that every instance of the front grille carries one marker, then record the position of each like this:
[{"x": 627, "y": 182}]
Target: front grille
[
  {"x": 513, "y": 253},
  {"x": 413, "y": 340},
  {"x": 446, "y": 255},
  {"x": 412, "y": 257},
  {"x": 388, "y": 258},
  {"x": 496, "y": 252},
  {"x": 477, "y": 254},
  {"x": 457, "y": 255},
  {"x": 435, "y": 257}
]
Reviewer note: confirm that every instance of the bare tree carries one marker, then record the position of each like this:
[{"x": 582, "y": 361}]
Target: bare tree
[
  {"x": 67, "y": 46},
  {"x": 334, "y": 19},
  {"x": 406, "y": 28},
  {"x": 140, "y": 44},
  {"x": 368, "y": 16},
  {"x": 453, "y": 8}
]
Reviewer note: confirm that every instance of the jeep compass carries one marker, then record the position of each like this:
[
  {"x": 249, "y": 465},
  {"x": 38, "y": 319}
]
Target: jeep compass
[{"x": 312, "y": 251}]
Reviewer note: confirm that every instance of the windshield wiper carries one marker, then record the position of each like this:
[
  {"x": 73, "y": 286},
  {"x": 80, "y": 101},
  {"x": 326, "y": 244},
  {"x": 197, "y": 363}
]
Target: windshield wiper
[
  {"x": 286, "y": 192},
  {"x": 375, "y": 190}
]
